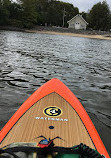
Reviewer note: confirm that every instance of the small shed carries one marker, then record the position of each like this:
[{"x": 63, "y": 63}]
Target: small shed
[{"x": 77, "y": 23}]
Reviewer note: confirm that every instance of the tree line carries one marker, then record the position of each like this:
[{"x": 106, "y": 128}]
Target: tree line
[{"x": 27, "y": 13}]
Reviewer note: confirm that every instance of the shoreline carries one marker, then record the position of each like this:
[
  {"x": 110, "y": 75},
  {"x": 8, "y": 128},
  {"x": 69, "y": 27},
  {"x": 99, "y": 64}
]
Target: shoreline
[
  {"x": 91, "y": 36},
  {"x": 94, "y": 34}
]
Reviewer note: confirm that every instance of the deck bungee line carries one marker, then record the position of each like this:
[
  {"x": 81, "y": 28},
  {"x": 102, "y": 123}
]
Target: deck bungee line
[{"x": 54, "y": 88}]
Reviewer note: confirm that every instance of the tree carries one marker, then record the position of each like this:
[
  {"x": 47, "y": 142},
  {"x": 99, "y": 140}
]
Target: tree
[
  {"x": 15, "y": 16},
  {"x": 71, "y": 11},
  {"x": 15, "y": 11},
  {"x": 99, "y": 16},
  {"x": 84, "y": 15},
  {"x": 56, "y": 11},
  {"x": 51, "y": 12},
  {"x": 41, "y": 9},
  {"x": 29, "y": 14},
  {"x": 4, "y": 12}
]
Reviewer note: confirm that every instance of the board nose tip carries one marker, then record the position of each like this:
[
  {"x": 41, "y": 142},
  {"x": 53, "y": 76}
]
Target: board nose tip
[
  {"x": 55, "y": 80},
  {"x": 56, "y": 83}
]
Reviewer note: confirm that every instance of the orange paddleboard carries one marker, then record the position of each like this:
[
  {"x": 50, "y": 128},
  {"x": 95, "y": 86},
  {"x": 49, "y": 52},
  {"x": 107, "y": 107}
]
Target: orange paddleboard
[{"x": 51, "y": 111}]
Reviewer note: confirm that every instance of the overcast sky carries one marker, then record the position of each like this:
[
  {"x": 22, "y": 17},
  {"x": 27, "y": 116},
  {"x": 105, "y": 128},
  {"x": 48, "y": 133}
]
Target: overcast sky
[{"x": 84, "y": 5}]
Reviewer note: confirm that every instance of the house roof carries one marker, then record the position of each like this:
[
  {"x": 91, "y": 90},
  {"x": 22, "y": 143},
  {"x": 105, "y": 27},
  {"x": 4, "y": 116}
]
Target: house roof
[{"x": 77, "y": 16}]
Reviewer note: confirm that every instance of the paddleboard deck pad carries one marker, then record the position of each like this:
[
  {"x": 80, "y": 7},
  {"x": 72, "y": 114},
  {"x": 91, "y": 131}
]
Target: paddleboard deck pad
[{"x": 52, "y": 113}]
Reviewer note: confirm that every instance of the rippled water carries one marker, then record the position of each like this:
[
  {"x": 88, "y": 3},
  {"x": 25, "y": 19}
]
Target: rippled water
[{"x": 27, "y": 60}]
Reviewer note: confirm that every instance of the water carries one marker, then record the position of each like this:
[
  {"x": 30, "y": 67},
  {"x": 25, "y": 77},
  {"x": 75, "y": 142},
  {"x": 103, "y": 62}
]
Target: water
[{"x": 28, "y": 60}]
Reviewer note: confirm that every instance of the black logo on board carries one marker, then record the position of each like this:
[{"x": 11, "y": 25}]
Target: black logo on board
[{"x": 52, "y": 111}]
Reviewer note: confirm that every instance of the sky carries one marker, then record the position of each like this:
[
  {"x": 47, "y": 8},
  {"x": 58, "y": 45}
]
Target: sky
[{"x": 85, "y": 5}]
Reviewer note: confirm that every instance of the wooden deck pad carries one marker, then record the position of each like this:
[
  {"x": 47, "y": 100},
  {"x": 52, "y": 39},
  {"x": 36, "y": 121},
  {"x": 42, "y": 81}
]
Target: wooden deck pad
[{"x": 51, "y": 116}]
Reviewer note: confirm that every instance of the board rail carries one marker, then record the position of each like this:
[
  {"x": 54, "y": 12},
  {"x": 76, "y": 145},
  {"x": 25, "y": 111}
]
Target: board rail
[{"x": 55, "y": 85}]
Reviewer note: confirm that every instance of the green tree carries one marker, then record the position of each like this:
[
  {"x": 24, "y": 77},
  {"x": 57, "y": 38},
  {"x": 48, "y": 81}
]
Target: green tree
[
  {"x": 41, "y": 9},
  {"x": 15, "y": 11},
  {"x": 15, "y": 14},
  {"x": 56, "y": 10},
  {"x": 84, "y": 15},
  {"x": 70, "y": 12},
  {"x": 29, "y": 14},
  {"x": 4, "y": 12},
  {"x": 51, "y": 12},
  {"x": 54, "y": 13},
  {"x": 99, "y": 16}
]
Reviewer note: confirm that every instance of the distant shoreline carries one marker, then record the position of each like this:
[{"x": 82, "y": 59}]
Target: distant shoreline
[
  {"x": 94, "y": 34},
  {"x": 102, "y": 37}
]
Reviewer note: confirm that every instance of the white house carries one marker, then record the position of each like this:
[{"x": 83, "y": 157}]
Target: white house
[{"x": 77, "y": 23}]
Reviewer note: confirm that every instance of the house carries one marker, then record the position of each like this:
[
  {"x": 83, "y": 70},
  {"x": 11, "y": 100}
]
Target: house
[{"x": 77, "y": 23}]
